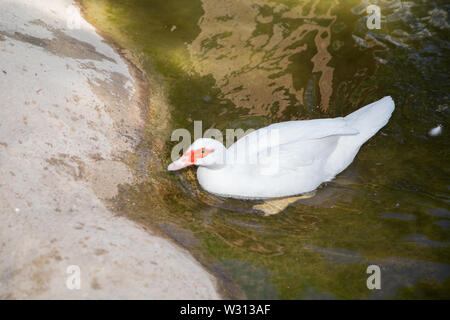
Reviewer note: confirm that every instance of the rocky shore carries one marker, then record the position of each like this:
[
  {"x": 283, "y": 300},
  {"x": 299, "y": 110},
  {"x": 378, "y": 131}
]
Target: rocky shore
[{"x": 71, "y": 112}]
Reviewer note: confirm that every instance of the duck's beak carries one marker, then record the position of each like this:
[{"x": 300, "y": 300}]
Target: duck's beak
[{"x": 178, "y": 164}]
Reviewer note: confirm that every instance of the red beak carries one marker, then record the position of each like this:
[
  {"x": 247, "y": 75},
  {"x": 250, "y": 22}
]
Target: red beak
[{"x": 186, "y": 160}]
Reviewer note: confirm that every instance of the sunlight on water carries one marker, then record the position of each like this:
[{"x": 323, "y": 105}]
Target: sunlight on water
[{"x": 249, "y": 63}]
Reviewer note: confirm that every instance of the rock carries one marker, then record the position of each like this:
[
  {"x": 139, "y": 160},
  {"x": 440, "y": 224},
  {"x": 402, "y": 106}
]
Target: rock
[{"x": 67, "y": 96}]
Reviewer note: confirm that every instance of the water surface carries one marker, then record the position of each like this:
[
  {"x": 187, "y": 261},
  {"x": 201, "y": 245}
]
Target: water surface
[{"x": 246, "y": 64}]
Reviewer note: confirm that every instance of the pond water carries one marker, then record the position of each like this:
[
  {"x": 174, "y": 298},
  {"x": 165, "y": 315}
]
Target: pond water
[{"x": 249, "y": 63}]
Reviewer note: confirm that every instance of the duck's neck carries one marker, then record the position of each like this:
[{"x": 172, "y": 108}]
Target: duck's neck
[{"x": 220, "y": 159}]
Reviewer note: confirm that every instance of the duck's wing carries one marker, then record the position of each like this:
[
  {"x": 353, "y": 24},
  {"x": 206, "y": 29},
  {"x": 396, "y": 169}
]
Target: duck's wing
[
  {"x": 284, "y": 133},
  {"x": 294, "y": 155},
  {"x": 291, "y": 131}
]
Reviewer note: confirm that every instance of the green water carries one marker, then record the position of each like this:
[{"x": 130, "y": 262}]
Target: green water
[{"x": 246, "y": 64}]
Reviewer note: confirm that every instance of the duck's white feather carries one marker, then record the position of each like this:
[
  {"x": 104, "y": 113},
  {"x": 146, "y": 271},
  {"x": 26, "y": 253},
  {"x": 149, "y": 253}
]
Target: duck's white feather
[
  {"x": 294, "y": 155},
  {"x": 292, "y": 131}
]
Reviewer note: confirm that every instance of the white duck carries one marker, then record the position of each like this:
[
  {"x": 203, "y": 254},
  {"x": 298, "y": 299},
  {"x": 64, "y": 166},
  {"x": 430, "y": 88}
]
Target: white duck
[{"x": 286, "y": 158}]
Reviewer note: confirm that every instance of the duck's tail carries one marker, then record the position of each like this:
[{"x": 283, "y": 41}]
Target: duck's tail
[
  {"x": 367, "y": 120},
  {"x": 371, "y": 118}
]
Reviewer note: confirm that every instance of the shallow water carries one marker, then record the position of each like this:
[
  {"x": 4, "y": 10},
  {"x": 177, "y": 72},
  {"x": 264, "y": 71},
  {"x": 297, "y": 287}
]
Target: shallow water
[{"x": 246, "y": 64}]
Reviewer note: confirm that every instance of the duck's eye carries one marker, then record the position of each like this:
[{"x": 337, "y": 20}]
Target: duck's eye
[{"x": 203, "y": 151}]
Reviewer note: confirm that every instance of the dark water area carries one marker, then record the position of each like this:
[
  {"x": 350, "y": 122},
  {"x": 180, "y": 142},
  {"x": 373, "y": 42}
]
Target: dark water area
[{"x": 246, "y": 64}]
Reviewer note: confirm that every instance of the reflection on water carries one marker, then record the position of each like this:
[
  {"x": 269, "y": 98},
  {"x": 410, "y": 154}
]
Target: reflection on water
[
  {"x": 248, "y": 63},
  {"x": 248, "y": 47}
]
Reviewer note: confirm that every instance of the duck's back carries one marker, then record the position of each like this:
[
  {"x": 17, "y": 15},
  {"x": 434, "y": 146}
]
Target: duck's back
[{"x": 290, "y": 132}]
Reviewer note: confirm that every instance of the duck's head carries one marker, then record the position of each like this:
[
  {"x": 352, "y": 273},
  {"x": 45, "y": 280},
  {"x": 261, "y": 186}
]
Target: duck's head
[{"x": 203, "y": 152}]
